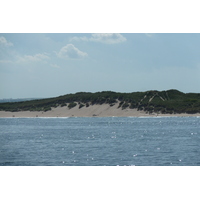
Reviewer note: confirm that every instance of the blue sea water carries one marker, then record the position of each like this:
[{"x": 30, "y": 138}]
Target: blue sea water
[{"x": 109, "y": 141}]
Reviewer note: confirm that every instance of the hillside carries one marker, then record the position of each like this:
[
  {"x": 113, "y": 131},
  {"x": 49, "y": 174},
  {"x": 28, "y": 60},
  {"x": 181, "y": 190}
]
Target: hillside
[{"x": 165, "y": 102}]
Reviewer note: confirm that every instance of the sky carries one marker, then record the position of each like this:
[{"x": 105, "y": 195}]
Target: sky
[{"x": 39, "y": 65}]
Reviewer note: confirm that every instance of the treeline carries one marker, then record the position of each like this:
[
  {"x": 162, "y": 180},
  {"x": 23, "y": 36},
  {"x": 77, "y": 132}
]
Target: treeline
[{"x": 170, "y": 101}]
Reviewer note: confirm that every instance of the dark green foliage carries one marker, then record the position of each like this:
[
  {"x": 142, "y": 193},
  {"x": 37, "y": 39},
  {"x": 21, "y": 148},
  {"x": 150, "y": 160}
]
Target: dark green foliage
[
  {"x": 125, "y": 105},
  {"x": 71, "y": 105},
  {"x": 46, "y": 109},
  {"x": 87, "y": 105},
  {"x": 81, "y": 105},
  {"x": 63, "y": 104},
  {"x": 170, "y": 101},
  {"x": 133, "y": 105},
  {"x": 120, "y": 104}
]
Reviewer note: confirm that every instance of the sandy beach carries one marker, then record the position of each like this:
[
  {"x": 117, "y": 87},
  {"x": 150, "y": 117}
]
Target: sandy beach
[{"x": 104, "y": 110}]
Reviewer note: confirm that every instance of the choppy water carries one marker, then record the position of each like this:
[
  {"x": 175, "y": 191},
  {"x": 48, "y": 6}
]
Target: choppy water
[{"x": 106, "y": 141}]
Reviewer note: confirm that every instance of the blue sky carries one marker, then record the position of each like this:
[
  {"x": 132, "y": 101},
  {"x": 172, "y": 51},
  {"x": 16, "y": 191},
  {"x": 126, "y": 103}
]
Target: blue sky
[{"x": 48, "y": 65}]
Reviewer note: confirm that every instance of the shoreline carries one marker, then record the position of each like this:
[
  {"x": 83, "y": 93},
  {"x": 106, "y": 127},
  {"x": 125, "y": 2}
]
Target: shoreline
[{"x": 104, "y": 110}]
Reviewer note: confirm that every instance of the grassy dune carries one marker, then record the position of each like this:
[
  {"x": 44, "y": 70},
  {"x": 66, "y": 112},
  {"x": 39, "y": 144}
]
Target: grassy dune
[{"x": 165, "y": 102}]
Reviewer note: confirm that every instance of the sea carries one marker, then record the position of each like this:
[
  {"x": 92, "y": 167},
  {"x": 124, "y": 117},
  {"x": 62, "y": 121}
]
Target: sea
[{"x": 96, "y": 141}]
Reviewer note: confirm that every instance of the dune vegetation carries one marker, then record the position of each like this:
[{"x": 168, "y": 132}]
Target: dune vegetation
[{"x": 165, "y": 102}]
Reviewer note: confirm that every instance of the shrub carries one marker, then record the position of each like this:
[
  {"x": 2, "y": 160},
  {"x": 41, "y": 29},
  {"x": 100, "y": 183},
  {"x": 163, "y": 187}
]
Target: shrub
[
  {"x": 81, "y": 105},
  {"x": 87, "y": 104},
  {"x": 133, "y": 105},
  {"x": 120, "y": 104},
  {"x": 63, "y": 104},
  {"x": 125, "y": 105},
  {"x": 71, "y": 105},
  {"x": 46, "y": 109}
]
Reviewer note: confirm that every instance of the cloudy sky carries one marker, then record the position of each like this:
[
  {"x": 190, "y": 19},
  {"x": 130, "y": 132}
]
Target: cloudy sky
[{"x": 49, "y": 65}]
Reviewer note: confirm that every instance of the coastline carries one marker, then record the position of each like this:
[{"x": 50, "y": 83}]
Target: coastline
[{"x": 104, "y": 110}]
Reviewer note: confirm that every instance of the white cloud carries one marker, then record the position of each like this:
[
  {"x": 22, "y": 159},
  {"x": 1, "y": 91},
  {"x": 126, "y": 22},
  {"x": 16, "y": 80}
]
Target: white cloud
[
  {"x": 80, "y": 39},
  {"x": 70, "y": 51},
  {"x": 108, "y": 38},
  {"x": 4, "y": 42},
  {"x": 34, "y": 58}
]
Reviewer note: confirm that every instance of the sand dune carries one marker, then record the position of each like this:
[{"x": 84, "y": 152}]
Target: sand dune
[{"x": 103, "y": 110}]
